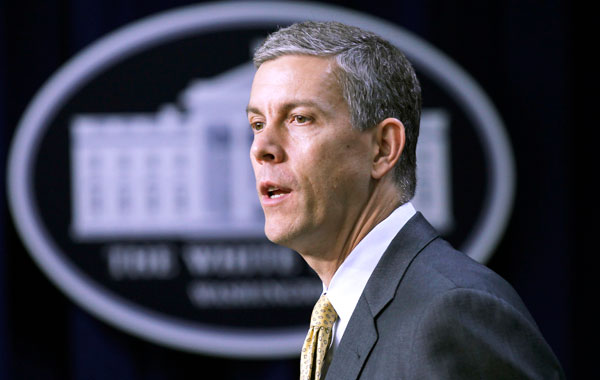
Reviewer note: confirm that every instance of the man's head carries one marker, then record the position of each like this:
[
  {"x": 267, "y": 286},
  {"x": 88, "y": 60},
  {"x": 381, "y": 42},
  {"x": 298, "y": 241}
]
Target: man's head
[
  {"x": 333, "y": 109},
  {"x": 376, "y": 79}
]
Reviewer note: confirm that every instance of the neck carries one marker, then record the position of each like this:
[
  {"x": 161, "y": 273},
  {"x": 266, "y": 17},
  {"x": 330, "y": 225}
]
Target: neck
[{"x": 325, "y": 261}]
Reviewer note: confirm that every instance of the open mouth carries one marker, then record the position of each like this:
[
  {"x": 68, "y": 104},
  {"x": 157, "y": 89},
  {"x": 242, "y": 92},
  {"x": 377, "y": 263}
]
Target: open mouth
[{"x": 273, "y": 191}]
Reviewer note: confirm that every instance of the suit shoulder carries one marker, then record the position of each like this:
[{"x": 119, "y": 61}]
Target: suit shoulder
[
  {"x": 467, "y": 306},
  {"x": 439, "y": 268}
]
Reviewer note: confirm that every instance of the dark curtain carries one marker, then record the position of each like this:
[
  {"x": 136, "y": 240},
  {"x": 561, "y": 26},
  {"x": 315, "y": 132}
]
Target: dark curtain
[{"x": 521, "y": 52}]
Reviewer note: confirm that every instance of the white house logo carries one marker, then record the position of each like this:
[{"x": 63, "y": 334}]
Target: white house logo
[
  {"x": 131, "y": 186},
  {"x": 152, "y": 175}
]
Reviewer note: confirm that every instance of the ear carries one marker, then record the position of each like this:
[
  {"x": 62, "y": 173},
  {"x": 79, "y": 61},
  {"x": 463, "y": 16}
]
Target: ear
[{"x": 389, "y": 144}]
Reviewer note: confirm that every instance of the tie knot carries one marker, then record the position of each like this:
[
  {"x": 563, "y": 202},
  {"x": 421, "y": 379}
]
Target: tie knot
[{"x": 323, "y": 314}]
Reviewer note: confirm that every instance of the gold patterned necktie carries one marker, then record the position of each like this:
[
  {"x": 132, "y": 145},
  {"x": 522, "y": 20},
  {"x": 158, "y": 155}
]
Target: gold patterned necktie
[{"x": 317, "y": 340}]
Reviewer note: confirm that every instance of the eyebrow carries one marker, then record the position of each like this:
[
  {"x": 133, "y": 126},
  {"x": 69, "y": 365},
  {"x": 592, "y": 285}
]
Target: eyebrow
[
  {"x": 286, "y": 107},
  {"x": 250, "y": 109}
]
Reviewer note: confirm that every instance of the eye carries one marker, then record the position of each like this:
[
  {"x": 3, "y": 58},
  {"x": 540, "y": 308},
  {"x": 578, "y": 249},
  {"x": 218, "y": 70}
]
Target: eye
[
  {"x": 257, "y": 126},
  {"x": 301, "y": 119}
]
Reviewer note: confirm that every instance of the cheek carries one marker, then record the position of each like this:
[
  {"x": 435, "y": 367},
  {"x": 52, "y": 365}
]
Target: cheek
[
  {"x": 353, "y": 157},
  {"x": 327, "y": 162},
  {"x": 341, "y": 168}
]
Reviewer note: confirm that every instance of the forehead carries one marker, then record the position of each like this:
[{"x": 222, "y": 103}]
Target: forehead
[
  {"x": 296, "y": 77},
  {"x": 297, "y": 65}
]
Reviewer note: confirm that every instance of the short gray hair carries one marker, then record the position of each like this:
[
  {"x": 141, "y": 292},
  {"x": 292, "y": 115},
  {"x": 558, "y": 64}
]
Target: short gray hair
[{"x": 376, "y": 79}]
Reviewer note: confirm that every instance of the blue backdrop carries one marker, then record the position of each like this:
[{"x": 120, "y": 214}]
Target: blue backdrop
[{"x": 521, "y": 52}]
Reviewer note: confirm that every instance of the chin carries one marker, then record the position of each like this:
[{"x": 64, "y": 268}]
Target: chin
[
  {"x": 279, "y": 234},
  {"x": 276, "y": 237}
]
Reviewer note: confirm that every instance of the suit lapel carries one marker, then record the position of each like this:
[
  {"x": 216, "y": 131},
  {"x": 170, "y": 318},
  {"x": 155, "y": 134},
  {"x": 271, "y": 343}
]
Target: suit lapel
[
  {"x": 358, "y": 341},
  {"x": 361, "y": 333},
  {"x": 388, "y": 273}
]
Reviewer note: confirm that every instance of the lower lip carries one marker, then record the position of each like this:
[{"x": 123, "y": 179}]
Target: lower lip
[{"x": 266, "y": 201}]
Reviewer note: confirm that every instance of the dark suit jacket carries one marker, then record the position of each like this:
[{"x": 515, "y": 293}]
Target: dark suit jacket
[{"x": 431, "y": 312}]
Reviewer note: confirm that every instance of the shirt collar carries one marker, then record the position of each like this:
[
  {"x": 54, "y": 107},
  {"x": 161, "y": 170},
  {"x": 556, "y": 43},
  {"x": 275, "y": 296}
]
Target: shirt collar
[{"x": 350, "y": 279}]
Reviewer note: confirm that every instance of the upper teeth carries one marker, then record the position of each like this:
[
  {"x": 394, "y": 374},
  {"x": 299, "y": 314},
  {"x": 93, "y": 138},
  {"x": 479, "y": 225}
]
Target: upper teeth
[{"x": 271, "y": 189}]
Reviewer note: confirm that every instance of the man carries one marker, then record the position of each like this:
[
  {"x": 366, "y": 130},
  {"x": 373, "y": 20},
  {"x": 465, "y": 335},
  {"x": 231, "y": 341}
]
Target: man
[{"x": 335, "y": 112}]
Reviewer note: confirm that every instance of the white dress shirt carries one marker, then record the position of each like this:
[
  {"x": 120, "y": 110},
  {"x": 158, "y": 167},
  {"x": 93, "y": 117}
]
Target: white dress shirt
[{"x": 350, "y": 279}]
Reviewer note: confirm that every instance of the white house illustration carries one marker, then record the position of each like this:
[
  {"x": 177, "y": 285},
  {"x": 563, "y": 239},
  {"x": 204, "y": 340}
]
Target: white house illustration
[{"x": 184, "y": 172}]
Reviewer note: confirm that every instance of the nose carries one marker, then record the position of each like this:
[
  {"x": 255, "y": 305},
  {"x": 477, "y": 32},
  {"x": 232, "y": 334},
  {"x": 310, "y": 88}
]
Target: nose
[{"x": 267, "y": 146}]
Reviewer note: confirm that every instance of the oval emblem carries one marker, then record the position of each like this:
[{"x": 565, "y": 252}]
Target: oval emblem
[{"x": 130, "y": 183}]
